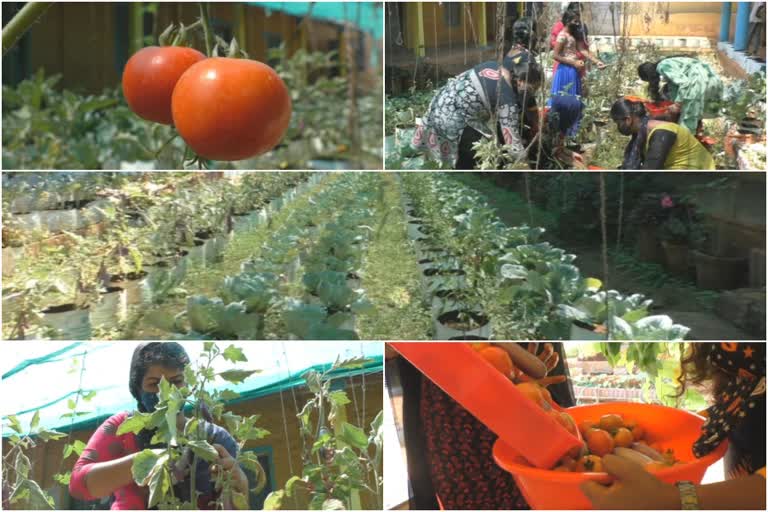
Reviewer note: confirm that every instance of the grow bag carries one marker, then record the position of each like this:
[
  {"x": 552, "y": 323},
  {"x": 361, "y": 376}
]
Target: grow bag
[
  {"x": 70, "y": 322},
  {"x": 446, "y": 325},
  {"x": 670, "y": 427}
]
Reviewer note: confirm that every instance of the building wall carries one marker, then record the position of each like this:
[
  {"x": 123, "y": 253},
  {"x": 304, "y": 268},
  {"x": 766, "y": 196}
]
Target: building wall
[
  {"x": 78, "y": 41},
  {"x": 47, "y": 457}
]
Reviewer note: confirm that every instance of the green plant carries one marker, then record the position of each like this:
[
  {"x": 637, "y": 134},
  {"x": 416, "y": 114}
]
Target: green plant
[
  {"x": 212, "y": 319},
  {"x": 661, "y": 363},
  {"x": 186, "y": 442},
  {"x": 341, "y": 461},
  {"x": 21, "y": 491}
]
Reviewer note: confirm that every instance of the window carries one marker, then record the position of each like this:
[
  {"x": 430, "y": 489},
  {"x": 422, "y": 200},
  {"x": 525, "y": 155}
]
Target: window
[
  {"x": 452, "y": 13},
  {"x": 264, "y": 454}
]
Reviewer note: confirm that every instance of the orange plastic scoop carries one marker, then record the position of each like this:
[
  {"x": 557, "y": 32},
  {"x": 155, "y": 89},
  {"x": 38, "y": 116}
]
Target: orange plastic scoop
[{"x": 492, "y": 398}]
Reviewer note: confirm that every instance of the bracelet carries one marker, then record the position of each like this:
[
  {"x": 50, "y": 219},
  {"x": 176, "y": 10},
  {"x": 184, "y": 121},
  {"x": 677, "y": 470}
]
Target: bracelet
[{"x": 689, "y": 500}]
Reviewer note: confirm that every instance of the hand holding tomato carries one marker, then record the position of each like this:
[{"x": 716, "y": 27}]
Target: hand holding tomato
[{"x": 633, "y": 488}]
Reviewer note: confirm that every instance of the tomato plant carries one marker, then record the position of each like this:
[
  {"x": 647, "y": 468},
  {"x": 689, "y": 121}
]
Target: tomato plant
[
  {"x": 231, "y": 109},
  {"x": 150, "y": 76}
]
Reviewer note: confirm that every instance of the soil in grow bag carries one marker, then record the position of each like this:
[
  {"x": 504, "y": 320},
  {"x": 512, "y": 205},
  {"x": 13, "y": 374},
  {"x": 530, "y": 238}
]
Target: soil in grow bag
[
  {"x": 463, "y": 320},
  {"x": 63, "y": 308},
  {"x": 468, "y": 337},
  {"x": 443, "y": 272}
]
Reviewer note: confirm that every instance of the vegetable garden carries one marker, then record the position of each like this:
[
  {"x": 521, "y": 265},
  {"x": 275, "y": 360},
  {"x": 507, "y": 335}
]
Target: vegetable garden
[
  {"x": 734, "y": 131},
  {"x": 272, "y": 256}
]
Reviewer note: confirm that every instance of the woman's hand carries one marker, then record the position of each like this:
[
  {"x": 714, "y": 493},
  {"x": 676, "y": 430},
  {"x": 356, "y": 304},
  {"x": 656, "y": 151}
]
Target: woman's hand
[
  {"x": 225, "y": 462},
  {"x": 633, "y": 488},
  {"x": 578, "y": 64},
  {"x": 600, "y": 64}
]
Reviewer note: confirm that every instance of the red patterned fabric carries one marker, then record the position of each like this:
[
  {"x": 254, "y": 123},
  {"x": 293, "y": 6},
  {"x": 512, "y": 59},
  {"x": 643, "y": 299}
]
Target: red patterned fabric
[
  {"x": 459, "y": 453},
  {"x": 105, "y": 445}
]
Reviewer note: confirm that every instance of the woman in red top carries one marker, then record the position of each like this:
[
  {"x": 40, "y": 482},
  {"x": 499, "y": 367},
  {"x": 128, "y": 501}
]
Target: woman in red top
[
  {"x": 104, "y": 467},
  {"x": 582, "y": 47}
]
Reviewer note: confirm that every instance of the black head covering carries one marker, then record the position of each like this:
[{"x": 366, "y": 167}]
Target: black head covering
[{"x": 169, "y": 354}]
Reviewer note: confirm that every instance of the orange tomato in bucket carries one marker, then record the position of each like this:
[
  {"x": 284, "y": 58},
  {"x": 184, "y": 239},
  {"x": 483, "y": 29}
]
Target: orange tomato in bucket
[{"x": 670, "y": 428}]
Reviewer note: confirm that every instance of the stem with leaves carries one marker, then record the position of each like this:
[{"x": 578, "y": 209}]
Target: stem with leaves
[{"x": 205, "y": 19}]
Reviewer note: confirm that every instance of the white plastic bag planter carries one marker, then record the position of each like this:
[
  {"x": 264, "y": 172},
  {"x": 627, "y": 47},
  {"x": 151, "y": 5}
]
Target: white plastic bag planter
[
  {"x": 11, "y": 255},
  {"x": 111, "y": 308},
  {"x": 132, "y": 284},
  {"x": 445, "y": 299},
  {"x": 69, "y": 322},
  {"x": 456, "y": 324},
  {"x": 196, "y": 253},
  {"x": 33, "y": 221},
  {"x": 64, "y": 220},
  {"x": 241, "y": 223},
  {"x": 353, "y": 281},
  {"x": 436, "y": 278},
  {"x": 291, "y": 269},
  {"x": 581, "y": 331},
  {"x": 413, "y": 229}
]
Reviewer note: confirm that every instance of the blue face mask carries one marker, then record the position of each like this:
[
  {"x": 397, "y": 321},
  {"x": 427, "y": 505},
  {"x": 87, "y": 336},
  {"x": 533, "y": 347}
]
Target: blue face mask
[{"x": 149, "y": 400}]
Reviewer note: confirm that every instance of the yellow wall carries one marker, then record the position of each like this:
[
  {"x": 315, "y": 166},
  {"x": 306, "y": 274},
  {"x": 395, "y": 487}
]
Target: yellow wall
[{"x": 700, "y": 19}]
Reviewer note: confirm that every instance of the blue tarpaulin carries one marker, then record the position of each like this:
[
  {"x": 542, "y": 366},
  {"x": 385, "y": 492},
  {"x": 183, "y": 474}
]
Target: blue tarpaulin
[{"x": 365, "y": 15}]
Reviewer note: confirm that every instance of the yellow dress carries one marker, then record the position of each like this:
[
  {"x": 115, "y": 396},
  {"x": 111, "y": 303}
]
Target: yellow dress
[{"x": 687, "y": 152}]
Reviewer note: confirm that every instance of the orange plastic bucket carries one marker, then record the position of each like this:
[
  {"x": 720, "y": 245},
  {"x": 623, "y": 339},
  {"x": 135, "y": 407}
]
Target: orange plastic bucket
[
  {"x": 671, "y": 428},
  {"x": 492, "y": 398}
]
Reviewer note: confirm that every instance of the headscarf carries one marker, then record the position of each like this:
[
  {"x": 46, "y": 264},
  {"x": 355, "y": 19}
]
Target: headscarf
[
  {"x": 745, "y": 363},
  {"x": 169, "y": 354}
]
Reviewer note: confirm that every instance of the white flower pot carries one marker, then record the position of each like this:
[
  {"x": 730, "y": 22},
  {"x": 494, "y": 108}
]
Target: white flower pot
[
  {"x": 111, "y": 309},
  {"x": 64, "y": 220},
  {"x": 69, "y": 322},
  {"x": 446, "y": 332},
  {"x": 132, "y": 286}
]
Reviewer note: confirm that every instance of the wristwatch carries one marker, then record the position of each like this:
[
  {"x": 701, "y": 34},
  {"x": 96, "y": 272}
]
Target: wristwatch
[{"x": 689, "y": 500}]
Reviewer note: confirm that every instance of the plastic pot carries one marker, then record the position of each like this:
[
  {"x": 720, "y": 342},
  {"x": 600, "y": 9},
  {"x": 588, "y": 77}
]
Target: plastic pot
[
  {"x": 676, "y": 256},
  {"x": 454, "y": 323},
  {"x": 69, "y": 322},
  {"x": 648, "y": 246},
  {"x": 719, "y": 272},
  {"x": 671, "y": 428}
]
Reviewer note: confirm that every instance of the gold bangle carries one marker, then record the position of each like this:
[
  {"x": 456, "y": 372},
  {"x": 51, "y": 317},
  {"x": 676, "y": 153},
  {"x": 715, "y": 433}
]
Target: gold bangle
[{"x": 689, "y": 499}]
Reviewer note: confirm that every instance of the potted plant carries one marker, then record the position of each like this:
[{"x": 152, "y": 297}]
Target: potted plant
[
  {"x": 676, "y": 233},
  {"x": 716, "y": 268}
]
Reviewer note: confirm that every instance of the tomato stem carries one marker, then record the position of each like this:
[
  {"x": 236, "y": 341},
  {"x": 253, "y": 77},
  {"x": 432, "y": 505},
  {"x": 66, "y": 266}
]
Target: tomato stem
[
  {"x": 206, "y": 22},
  {"x": 22, "y": 22},
  {"x": 157, "y": 153}
]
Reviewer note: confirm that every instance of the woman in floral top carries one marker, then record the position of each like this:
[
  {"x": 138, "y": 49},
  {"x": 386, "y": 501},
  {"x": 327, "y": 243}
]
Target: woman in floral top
[{"x": 468, "y": 104}]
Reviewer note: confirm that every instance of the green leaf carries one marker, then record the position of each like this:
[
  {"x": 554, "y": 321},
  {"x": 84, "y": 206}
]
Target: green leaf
[
  {"x": 289, "y": 485},
  {"x": 274, "y": 500},
  {"x": 333, "y": 504},
  {"x": 377, "y": 422},
  {"x": 237, "y": 376},
  {"x": 239, "y": 501},
  {"x": 64, "y": 478},
  {"x": 38, "y": 498},
  {"x": 228, "y": 394},
  {"x": 15, "y": 424},
  {"x": 134, "y": 424},
  {"x": 89, "y": 396},
  {"x": 339, "y": 398},
  {"x": 208, "y": 346},
  {"x": 35, "y": 421},
  {"x": 143, "y": 464},
  {"x": 22, "y": 465},
  {"x": 47, "y": 435},
  {"x": 159, "y": 485},
  {"x": 204, "y": 450},
  {"x": 312, "y": 379},
  {"x": 71, "y": 404},
  {"x": 234, "y": 354},
  {"x": 353, "y": 436}
]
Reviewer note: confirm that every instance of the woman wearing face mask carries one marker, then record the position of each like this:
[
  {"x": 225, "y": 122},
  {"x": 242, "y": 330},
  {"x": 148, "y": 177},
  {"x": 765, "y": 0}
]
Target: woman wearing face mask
[
  {"x": 463, "y": 112},
  {"x": 104, "y": 467},
  {"x": 657, "y": 144},
  {"x": 567, "y": 80},
  {"x": 582, "y": 40}
]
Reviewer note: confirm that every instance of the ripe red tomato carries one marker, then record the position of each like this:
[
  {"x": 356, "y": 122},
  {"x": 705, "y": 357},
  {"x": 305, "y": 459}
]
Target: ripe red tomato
[
  {"x": 150, "y": 76},
  {"x": 231, "y": 109}
]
